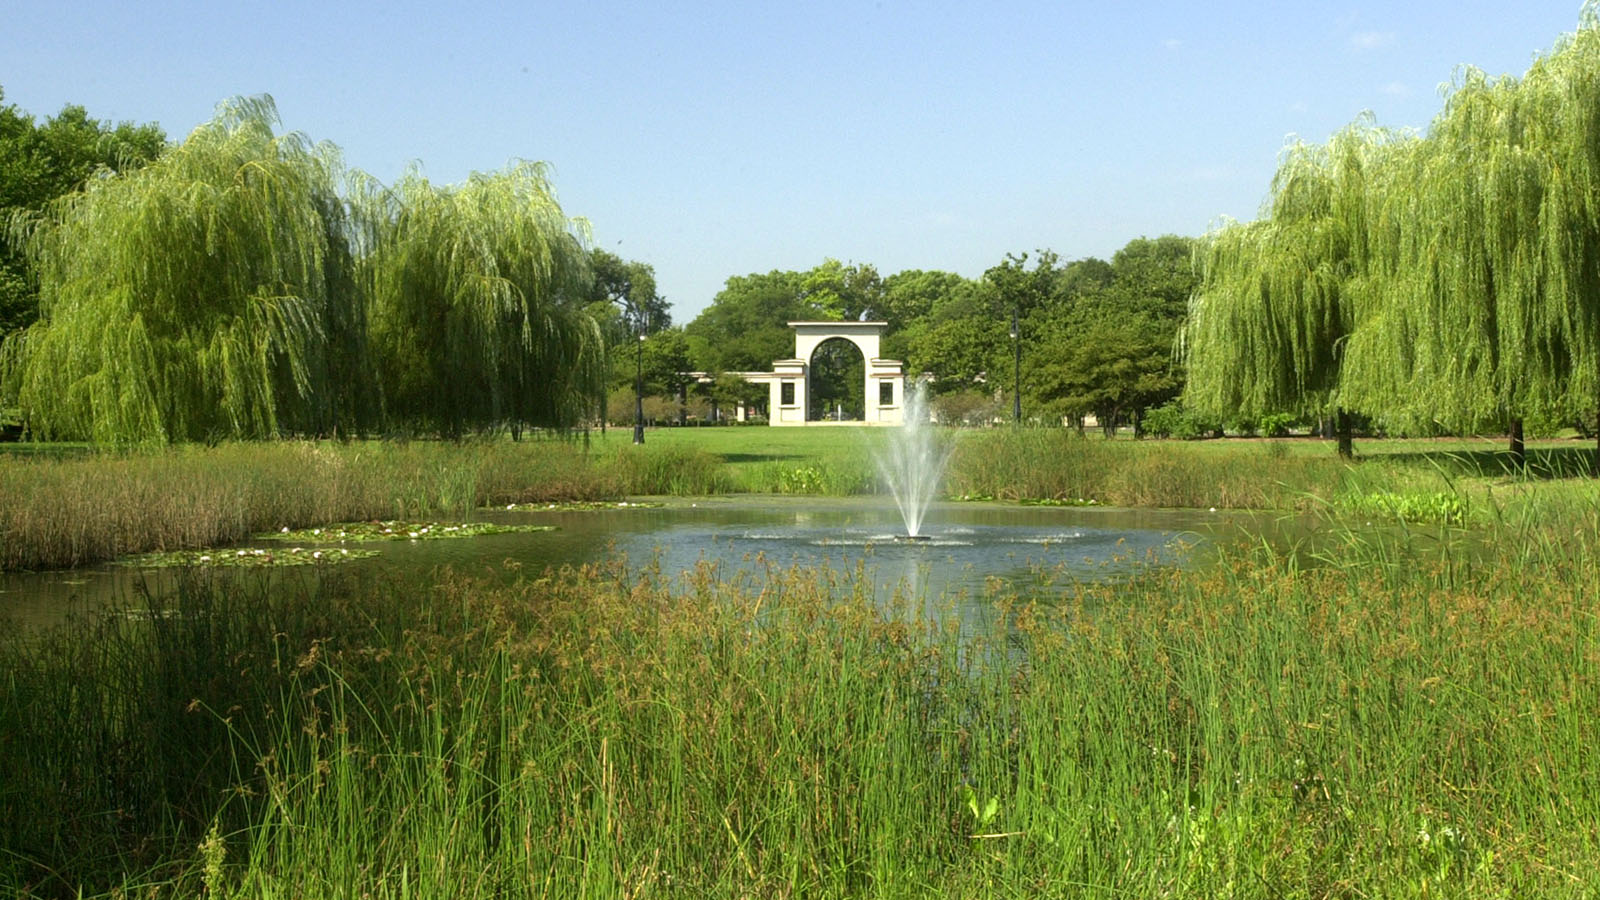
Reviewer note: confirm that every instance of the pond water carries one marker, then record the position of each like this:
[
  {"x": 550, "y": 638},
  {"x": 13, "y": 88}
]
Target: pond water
[{"x": 1034, "y": 548}]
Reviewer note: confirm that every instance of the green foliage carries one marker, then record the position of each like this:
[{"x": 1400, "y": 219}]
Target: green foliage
[
  {"x": 40, "y": 161},
  {"x": 840, "y": 292},
  {"x": 1276, "y": 425},
  {"x": 234, "y": 558},
  {"x": 394, "y": 530},
  {"x": 800, "y": 480},
  {"x": 1443, "y": 282},
  {"x": 477, "y": 312},
  {"x": 1174, "y": 419},
  {"x": 239, "y": 331},
  {"x": 1056, "y": 464},
  {"x": 1435, "y": 508},
  {"x": 87, "y": 508},
  {"x": 746, "y": 326},
  {"x": 838, "y": 381}
]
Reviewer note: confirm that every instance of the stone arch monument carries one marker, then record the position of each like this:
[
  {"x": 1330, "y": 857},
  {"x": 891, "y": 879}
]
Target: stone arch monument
[{"x": 789, "y": 382}]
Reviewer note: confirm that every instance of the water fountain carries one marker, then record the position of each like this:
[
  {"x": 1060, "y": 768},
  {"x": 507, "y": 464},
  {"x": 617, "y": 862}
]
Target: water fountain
[{"x": 913, "y": 462}]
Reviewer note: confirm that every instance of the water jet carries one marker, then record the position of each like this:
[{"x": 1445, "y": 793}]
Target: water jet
[{"x": 912, "y": 463}]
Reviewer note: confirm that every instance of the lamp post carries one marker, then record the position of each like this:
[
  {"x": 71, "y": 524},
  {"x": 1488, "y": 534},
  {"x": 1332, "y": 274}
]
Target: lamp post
[
  {"x": 1016, "y": 393},
  {"x": 638, "y": 391}
]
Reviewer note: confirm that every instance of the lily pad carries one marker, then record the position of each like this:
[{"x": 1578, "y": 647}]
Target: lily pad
[
  {"x": 1055, "y": 501},
  {"x": 250, "y": 558},
  {"x": 577, "y": 505},
  {"x": 394, "y": 531}
]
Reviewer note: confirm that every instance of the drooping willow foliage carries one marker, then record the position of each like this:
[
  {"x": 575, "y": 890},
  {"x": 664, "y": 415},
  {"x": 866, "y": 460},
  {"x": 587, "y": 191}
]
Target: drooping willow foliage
[
  {"x": 1266, "y": 330},
  {"x": 201, "y": 297},
  {"x": 1449, "y": 281},
  {"x": 230, "y": 290},
  {"x": 478, "y": 294}
]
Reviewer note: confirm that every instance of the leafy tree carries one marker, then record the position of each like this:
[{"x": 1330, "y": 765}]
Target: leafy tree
[
  {"x": 728, "y": 390},
  {"x": 838, "y": 381},
  {"x": 913, "y": 300},
  {"x": 746, "y": 326},
  {"x": 42, "y": 161},
  {"x": 630, "y": 286},
  {"x": 1104, "y": 344},
  {"x": 1488, "y": 292},
  {"x": 837, "y": 292},
  {"x": 624, "y": 304},
  {"x": 1112, "y": 363},
  {"x": 1445, "y": 281},
  {"x": 191, "y": 299},
  {"x": 1279, "y": 298},
  {"x": 1014, "y": 288},
  {"x": 959, "y": 351},
  {"x": 478, "y": 295}
]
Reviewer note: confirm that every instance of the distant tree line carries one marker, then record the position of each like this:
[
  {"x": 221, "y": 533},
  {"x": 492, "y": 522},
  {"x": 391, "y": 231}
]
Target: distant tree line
[{"x": 1097, "y": 336}]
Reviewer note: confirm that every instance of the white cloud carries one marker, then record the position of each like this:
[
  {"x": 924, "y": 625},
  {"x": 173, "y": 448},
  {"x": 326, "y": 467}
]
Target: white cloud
[
  {"x": 1172, "y": 43},
  {"x": 1395, "y": 89},
  {"x": 1371, "y": 40},
  {"x": 1299, "y": 106}
]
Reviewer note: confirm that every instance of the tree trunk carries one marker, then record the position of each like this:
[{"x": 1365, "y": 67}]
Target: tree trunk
[
  {"x": 1519, "y": 452},
  {"x": 1346, "y": 439}
]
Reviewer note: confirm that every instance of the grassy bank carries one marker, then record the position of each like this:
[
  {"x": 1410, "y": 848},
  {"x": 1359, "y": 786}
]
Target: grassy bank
[
  {"x": 79, "y": 509},
  {"x": 60, "y": 510},
  {"x": 1374, "y": 726}
]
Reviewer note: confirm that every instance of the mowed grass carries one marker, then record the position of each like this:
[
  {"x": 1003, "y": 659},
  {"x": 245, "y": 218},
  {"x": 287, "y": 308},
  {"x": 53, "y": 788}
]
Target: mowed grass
[{"x": 1381, "y": 725}]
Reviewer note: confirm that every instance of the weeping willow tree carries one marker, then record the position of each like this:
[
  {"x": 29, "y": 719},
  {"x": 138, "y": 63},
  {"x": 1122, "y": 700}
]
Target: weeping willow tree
[
  {"x": 204, "y": 296},
  {"x": 1276, "y": 302},
  {"x": 1483, "y": 297},
  {"x": 1447, "y": 282},
  {"x": 1490, "y": 294},
  {"x": 477, "y": 315}
]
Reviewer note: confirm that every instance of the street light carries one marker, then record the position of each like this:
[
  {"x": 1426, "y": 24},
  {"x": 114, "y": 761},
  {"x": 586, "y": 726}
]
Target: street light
[
  {"x": 638, "y": 391},
  {"x": 1016, "y": 394}
]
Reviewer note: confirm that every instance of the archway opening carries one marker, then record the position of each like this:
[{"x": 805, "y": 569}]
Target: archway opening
[{"x": 838, "y": 382}]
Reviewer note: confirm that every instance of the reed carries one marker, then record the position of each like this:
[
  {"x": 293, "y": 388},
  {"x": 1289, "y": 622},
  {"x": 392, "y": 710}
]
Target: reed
[
  {"x": 1374, "y": 722},
  {"x": 74, "y": 511},
  {"x": 1057, "y": 464},
  {"x": 80, "y": 507}
]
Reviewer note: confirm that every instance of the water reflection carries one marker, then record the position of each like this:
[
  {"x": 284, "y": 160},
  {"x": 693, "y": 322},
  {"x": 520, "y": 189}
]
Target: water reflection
[{"x": 969, "y": 546}]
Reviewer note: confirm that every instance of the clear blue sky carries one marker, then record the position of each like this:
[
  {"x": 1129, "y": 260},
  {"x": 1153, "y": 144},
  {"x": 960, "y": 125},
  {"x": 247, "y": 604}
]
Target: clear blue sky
[{"x": 718, "y": 139}]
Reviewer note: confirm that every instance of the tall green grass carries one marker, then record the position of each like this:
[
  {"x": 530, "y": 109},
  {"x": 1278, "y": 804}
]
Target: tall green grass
[
  {"x": 80, "y": 510},
  {"x": 1268, "y": 727},
  {"x": 86, "y": 507},
  {"x": 1057, "y": 464}
]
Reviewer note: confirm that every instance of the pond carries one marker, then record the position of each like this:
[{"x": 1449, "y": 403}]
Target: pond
[{"x": 1033, "y": 548}]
